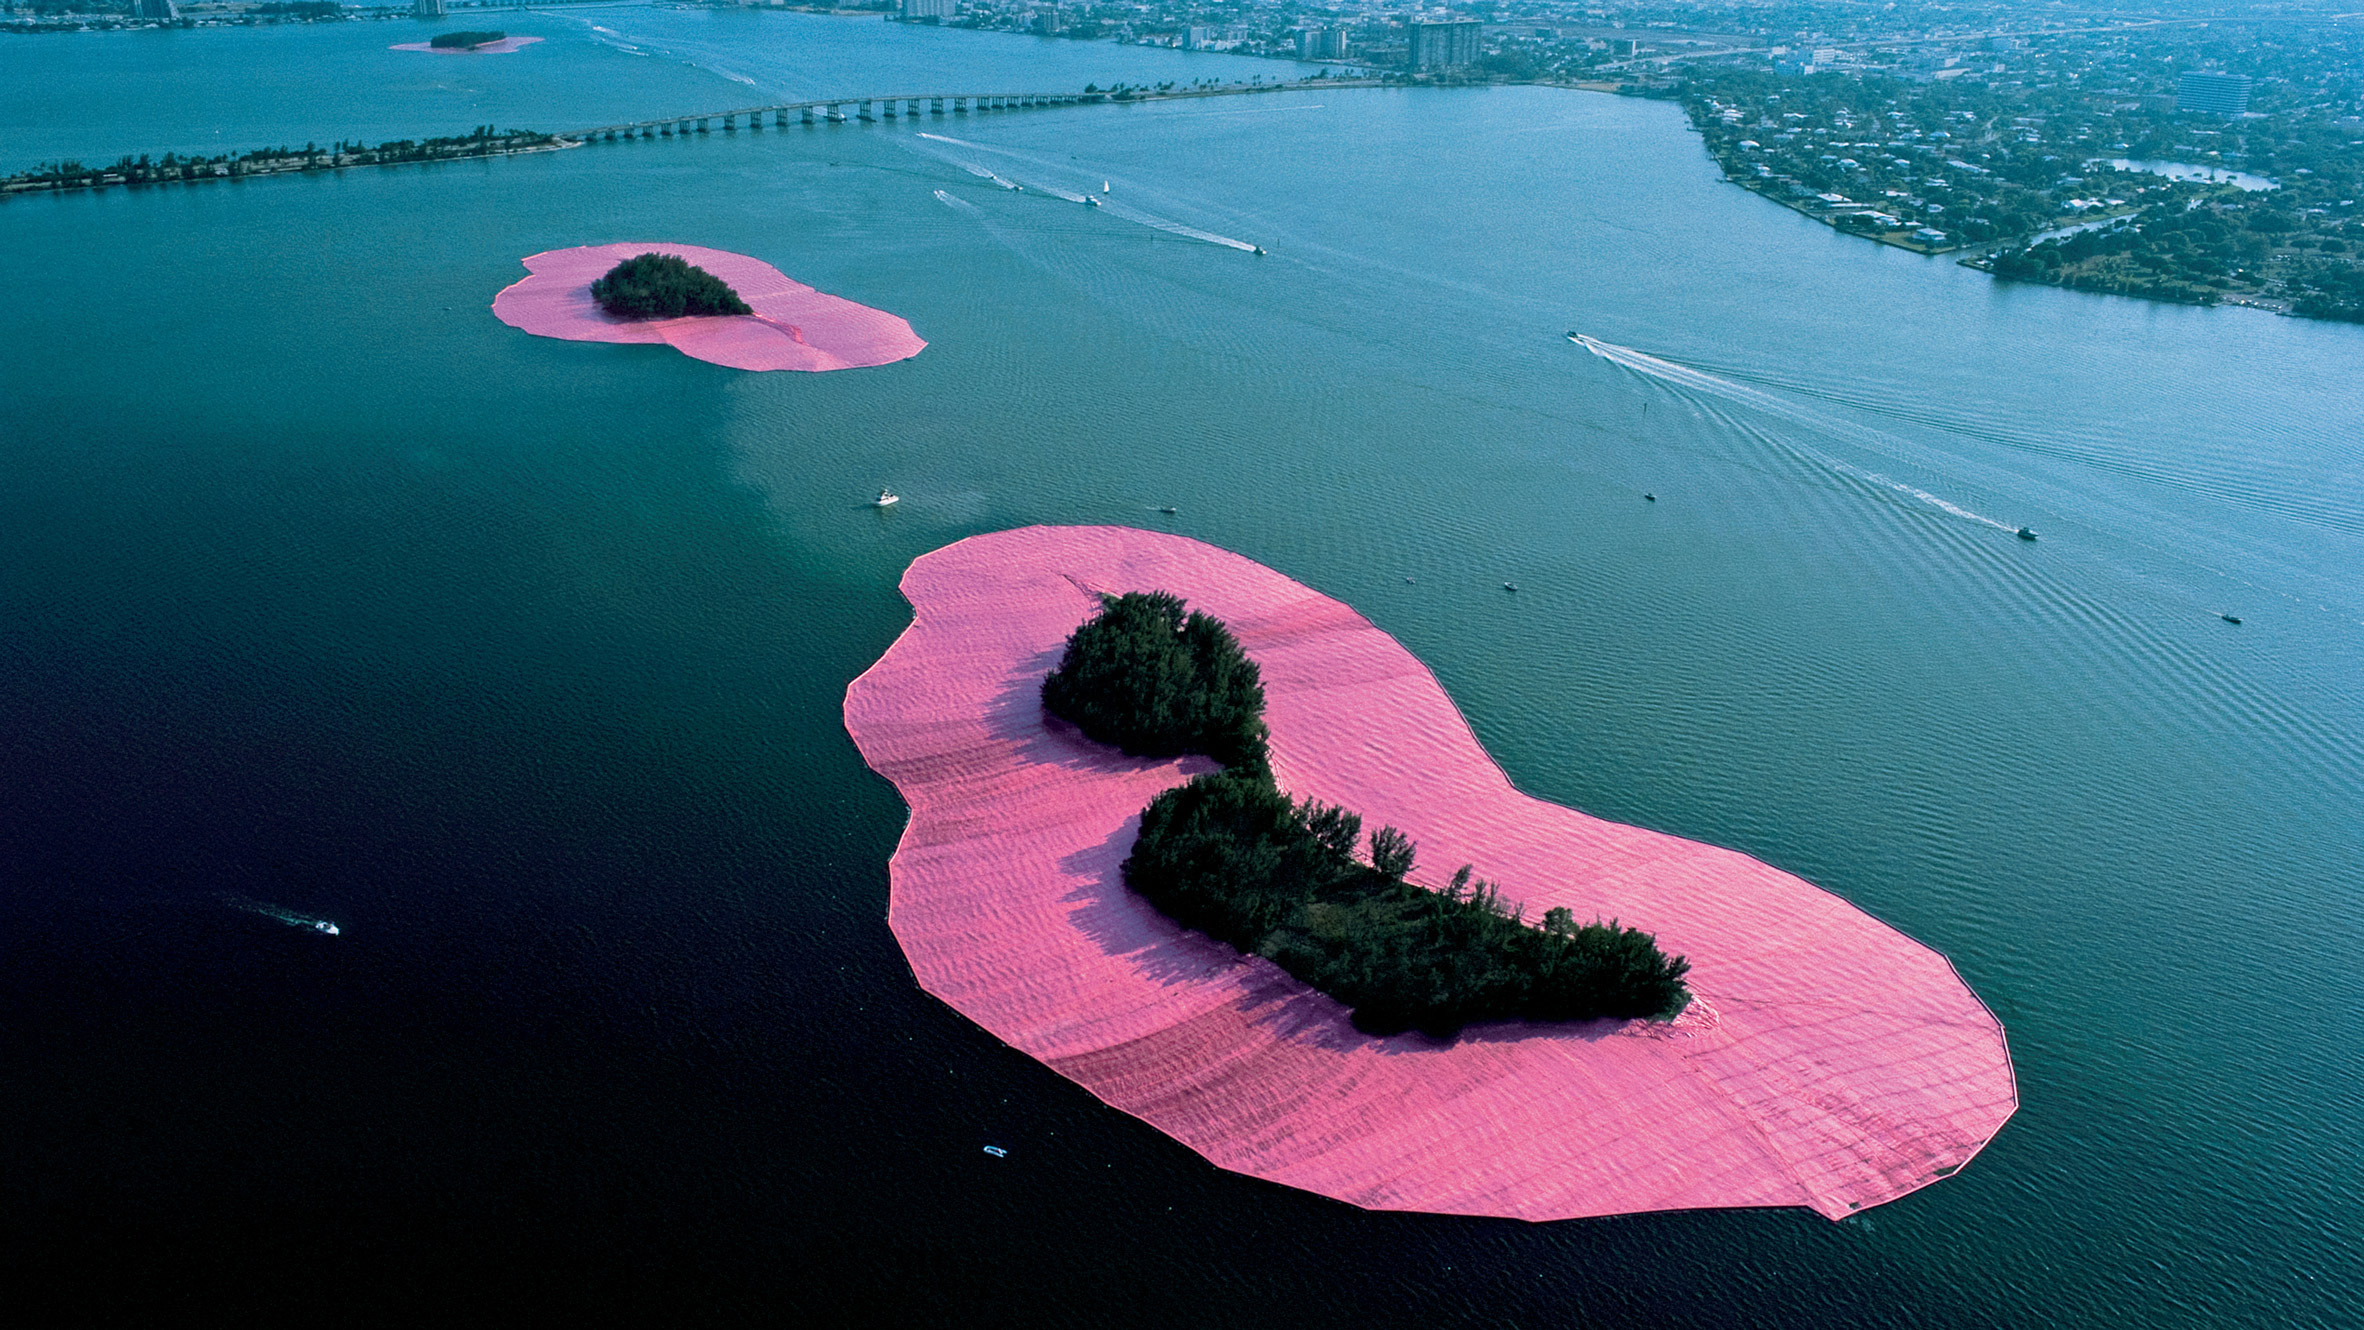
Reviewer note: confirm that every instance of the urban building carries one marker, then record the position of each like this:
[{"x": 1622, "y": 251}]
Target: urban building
[
  {"x": 928, "y": 8},
  {"x": 1197, "y": 39},
  {"x": 2213, "y": 92},
  {"x": 1321, "y": 44},
  {"x": 156, "y": 9},
  {"x": 426, "y": 8},
  {"x": 1443, "y": 45}
]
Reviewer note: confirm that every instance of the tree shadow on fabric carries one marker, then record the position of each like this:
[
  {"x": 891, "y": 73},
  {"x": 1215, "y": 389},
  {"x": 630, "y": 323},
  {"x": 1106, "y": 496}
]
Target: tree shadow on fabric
[{"x": 1016, "y": 716}]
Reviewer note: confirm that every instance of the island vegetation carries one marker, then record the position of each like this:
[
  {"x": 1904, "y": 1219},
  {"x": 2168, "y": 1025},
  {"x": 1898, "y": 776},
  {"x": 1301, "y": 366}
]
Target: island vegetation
[
  {"x": 465, "y": 41},
  {"x": 175, "y": 168},
  {"x": 663, "y": 286},
  {"x": 1233, "y": 856}
]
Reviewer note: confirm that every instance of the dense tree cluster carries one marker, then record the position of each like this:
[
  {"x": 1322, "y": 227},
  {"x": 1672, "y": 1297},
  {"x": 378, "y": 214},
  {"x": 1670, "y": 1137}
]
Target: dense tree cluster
[
  {"x": 1230, "y": 855},
  {"x": 465, "y": 41},
  {"x": 1147, "y": 678},
  {"x": 662, "y": 286}
]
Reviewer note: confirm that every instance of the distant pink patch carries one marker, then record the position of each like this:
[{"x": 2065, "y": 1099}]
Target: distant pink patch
[
  {"x": 502, "y": 47},
  {"x": 1829, "y": 1061},
  {"x": 793, "y": 327}
]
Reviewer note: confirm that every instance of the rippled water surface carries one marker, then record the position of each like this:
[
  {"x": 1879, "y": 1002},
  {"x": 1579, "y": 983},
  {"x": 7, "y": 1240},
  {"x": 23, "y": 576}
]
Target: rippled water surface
[{"x": 521, "y": 660}]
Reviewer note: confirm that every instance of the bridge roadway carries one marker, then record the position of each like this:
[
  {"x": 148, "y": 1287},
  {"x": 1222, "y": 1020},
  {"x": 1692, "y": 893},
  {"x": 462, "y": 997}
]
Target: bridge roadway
[{"x": 832, "y": 110}]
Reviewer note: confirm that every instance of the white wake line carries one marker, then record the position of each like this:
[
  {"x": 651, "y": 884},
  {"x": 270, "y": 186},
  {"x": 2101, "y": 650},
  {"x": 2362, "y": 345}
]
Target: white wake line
[
  {"x": 1171, "y": 227},
  {"x": 1685, "y": 376},
  {"x": 957, "y": 203},
  {"x": 1130, "y": 214},
  {"x": 288, "y": 917},
  {"x": 982, "y": 173}
]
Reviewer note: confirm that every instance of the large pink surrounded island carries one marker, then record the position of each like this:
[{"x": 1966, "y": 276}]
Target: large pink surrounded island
[
  {"x": 1826, "y": 1061},
  {"x": 793, "y": 326}
]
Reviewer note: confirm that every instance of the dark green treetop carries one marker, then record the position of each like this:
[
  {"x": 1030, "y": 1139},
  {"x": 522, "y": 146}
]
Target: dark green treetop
[{"x": 662, "y": 286}]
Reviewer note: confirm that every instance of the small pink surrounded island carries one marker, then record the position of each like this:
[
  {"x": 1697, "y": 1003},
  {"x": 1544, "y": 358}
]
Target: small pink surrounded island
[
  {"x": 793, "y": 326},
  {"x": 1827, "y": 1060},
  {"x": 502, "y": 47}
]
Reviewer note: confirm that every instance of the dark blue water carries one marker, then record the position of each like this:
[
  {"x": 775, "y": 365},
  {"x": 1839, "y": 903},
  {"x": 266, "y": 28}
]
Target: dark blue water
[{"x": 521, "y": 661}]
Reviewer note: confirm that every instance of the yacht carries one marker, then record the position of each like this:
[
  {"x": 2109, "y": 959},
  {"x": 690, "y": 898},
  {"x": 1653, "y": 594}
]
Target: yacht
[
  {"x": 1091, "y": 202},
  {"x": 2027, "y": 533},
  {"x": 886, "y": 497}
]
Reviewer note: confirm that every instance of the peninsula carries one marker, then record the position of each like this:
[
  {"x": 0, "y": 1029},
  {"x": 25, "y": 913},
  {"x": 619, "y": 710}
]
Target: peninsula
[{"x": 1824, "y": 1060}]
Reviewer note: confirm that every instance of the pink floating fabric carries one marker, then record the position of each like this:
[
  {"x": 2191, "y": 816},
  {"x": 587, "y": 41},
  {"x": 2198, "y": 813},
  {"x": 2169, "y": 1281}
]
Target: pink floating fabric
[
  {"x": 793, "y": 327},
  {"x": 502, "y": 47},
  {"x": 1828, "y": 1061}
]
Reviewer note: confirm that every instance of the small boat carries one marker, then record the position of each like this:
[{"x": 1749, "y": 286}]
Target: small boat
[
  {"x": 324, "y": 926},
  {"x": 2228, "y": 618},
  {"x": 1649, "y": 498},
  {"x": 1259, "y": 251},
  {"x": 1103, "y": 186},
  {"x": 1510, "y": 586},
  {"x": 997, "y": 1152},
  {"x": 1169, "y": 510},
  {"x": 886, "y": 497},
  {"x": 1575, "y": 336},
  {"x": 2027, "y": 533},
  {"x": 1091, "y": 202}
]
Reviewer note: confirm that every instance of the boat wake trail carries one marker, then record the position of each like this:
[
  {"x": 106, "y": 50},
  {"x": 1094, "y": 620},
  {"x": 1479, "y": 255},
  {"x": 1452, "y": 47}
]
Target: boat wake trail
[
  {"x": 1683, "y": 376},
  {"x": 287, "y": 917},
  {"x": 956, "y": 203},
  {"x": 1113, "y": 208},
  {"x": 1172, "y": 227}
]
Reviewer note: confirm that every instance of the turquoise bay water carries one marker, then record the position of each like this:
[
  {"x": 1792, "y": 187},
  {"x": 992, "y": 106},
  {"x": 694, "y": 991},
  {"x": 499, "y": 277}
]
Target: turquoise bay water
[{"x": 521, "y": 660}]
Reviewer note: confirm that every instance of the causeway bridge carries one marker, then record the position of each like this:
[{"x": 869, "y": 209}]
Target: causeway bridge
[{"x": 839, "y": 110}]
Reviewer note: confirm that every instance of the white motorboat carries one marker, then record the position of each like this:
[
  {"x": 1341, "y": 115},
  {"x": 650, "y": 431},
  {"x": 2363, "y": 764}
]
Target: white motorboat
[{"x": 886, "y": 498}]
